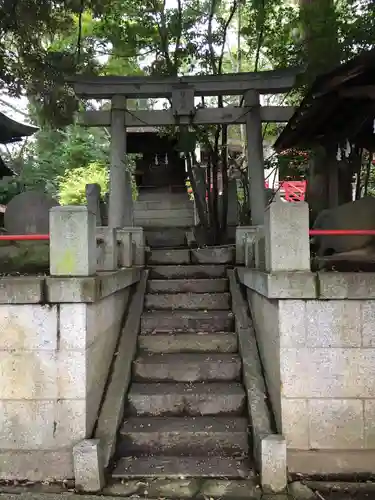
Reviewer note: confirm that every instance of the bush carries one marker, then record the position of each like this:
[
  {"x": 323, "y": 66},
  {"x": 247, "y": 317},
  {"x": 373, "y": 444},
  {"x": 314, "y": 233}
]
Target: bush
[{"x": 72, "y": 185}]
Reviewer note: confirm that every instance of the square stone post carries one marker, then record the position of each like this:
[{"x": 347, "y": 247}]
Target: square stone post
[
  {"x": 72, "y": 241},
  {"x": 120, "y": 189},
  {"x": 108, "y": 253},
  {"x": 255, "y": 160},
  {"x": 93, "y": 201},
  {"x": 124, "y": 237},
  {"x": 245, "y": 236},
  {"x": 287, "y": 242},
  {"x": 138, "y": 244}
]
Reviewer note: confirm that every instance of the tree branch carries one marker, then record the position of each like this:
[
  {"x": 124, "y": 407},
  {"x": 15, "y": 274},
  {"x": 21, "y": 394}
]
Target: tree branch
[
  {"x": 209, "y": 35},
  {"x": 226, "y": 26},
  {"x": 178, "y": 39},
  {"x": 163, "y": 33}
]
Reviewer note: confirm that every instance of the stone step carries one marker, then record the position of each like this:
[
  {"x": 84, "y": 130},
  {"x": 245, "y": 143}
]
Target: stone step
[
  {"x": 197, "y": 436},
  {"x": 170, "y": 237},
  {"x": 186, "y": 399},
  {"x": 205, "y": 301},
  {"x": 187, "y": 367},
  {"x": 179, "y": 203},
  {"x": 175, "y": 467},
  {"x": 189, "y": 342},
  {"x": 188, "y": 285},
  {"x": 159, "y": 222},
  {"x": 179, "y": 256},
  {"x": 193, "y": 271},
  {"x": 212, "y": 255},
  {"x": 186, "y": 489},
  {"x": 187, "y": 321}
]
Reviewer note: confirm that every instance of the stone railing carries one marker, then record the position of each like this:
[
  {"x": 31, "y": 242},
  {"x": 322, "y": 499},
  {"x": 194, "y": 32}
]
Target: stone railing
[
  {"x": 315, "y": 336},
  {"x": 58, "y": 337},
  {"x": 79, "y": 248}
]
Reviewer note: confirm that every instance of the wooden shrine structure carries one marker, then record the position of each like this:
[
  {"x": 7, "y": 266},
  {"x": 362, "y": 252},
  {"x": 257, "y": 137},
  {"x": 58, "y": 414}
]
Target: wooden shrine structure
[
  {"x": 12, "y": 131},
  {"x": 336, "y": 115},
  {"x": 181, "y": 92}
]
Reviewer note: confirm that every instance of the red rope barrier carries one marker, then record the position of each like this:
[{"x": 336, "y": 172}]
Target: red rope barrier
[
  {"x": 24, "y": 237},
  {"x": 312, "y": 232},
  {"x": 341, "y": 232}
]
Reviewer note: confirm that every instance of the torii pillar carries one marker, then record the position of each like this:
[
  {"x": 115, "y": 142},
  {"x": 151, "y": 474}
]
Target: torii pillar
[
  {"x": 255, "y": 160},
  {"x": 120, "y": 213}
]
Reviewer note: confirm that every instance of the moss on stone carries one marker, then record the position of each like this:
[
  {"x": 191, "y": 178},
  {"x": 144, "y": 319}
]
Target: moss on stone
[{"x": 24, "y": 257}]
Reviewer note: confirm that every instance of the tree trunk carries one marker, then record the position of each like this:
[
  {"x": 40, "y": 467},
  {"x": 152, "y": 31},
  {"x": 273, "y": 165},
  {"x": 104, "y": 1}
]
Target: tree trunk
[{"x": 319, "y": 22}]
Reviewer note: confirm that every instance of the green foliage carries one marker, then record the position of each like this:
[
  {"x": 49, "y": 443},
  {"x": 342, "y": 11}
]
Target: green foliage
[
  {"x": 72, "y": 185},
  {"x": 290, "y": 164},
  {"x": 10, "y": 189},
  {"x": 54, "y": 152}
]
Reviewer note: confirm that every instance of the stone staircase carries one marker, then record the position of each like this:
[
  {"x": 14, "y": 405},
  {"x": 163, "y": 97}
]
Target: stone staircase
[{"x": 185, "y": 414}]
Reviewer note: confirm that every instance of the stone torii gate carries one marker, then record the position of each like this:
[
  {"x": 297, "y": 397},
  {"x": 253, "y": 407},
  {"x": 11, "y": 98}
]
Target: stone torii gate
[{"x": 181, "y": 93}]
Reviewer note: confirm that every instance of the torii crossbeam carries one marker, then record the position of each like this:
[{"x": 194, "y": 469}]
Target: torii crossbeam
[{"x": 181, "y": 92}]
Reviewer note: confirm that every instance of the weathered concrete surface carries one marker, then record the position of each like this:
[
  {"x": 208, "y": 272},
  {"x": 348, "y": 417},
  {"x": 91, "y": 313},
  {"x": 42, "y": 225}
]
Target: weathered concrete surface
[
  {"x": 77, "y": 254},
  {"x": 112, "y": 408},
  {"x": 165, "y": 237},
  {"x": 109, "y": 257},
  {"x": 326, "y": 412},
  {"x": 188, "y": 285},
  {"x": 184, "y": 367},
  {"x": 284, "y": 251},
  {"x": 258, "y": 409},
  {"x": 300, "y": 491},
  {"x": 172, "y": 467},
  {"x": 189, "y": 342},
  {"x": 88, "y": 466},
  {"x": 196, "y": 301},
  {"x": 183, "y": 321},
  {"x": 196, "y": 271},
  {"x": 167, "y": 256},
  {"x": 189, "y": 488},
  {"x": 190, "y": 399},
  {"x": 212, "y": 255},
  {"x": 90, "y": 289},
  {"x": 280, "y": 285},
  {"x": 269, "y": 449},
  {"x": 273, "y": 464},
  {"x": 40, "y": 289},
  {"x": 21, "y": 290},
  {"x": 245, "y": 234},
  {"x": 54, "y": 366},
  {"x": 176, "y": 436},
  {"x": 38, "y": 465}
]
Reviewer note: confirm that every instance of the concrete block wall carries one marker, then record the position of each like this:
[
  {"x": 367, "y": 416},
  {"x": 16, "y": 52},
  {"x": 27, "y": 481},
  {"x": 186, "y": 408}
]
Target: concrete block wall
[
  {"x": 58, "y": 336},
  {"x": 319, "y": 362},
  {"x": 54, "y": 362},
  {"x": 315, "y": 336}
]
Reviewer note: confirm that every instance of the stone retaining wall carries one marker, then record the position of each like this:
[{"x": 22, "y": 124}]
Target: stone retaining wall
[
  {"x": 57, "y": 341},
  {"x": 315, "y": 335},
  {"x": 318, "y": 350}
]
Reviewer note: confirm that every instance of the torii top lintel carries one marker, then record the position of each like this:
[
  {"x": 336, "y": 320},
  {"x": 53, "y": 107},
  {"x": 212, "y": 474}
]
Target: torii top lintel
[{"x": 105, "y": 87}]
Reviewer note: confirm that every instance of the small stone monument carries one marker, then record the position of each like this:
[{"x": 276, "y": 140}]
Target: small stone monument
[
  {"x": 93, "y": 197},
  {"x": 28, "y": 213}
]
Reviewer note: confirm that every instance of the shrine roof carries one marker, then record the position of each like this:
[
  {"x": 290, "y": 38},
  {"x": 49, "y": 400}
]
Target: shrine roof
[
  {"x": 13, "y": 131},
  {"x": 339, "y": 106}
]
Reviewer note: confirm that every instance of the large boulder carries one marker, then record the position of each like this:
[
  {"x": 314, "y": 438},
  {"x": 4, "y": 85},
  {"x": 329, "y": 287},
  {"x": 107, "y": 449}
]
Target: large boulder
[
  {"x": 28, "y": 213},
  {"x": 359, "y": 214}
]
